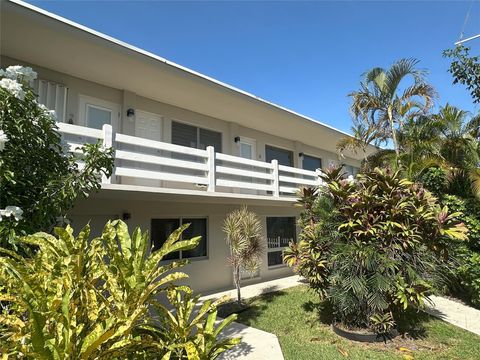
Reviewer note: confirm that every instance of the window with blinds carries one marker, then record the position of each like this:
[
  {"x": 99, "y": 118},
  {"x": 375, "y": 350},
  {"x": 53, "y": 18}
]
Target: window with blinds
[
  {"x": 195, "y": 137},
  {"x": 53, "y": 95}
]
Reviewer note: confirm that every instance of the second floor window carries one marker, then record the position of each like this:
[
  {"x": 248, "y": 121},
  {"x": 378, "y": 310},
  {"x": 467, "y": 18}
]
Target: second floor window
[
  {"x": 195, "y": 137},
  {"x": 284, "y": 157},
  {"x": 311, "y": 163}
]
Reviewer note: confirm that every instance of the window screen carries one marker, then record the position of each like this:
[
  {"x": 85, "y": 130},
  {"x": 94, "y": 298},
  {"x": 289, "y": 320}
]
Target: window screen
[
  {"x": 311, "y": 163},
  {"x": 183, "y": 134},
  {"x": 210, "y": 138},
  {"x": 162, "y": 228},
  {"x": 284, "y": 157},
  {"x": 194, "y": 137}
]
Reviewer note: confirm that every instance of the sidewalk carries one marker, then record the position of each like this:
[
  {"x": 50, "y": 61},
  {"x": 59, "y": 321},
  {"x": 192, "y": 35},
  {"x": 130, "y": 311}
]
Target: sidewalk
[
  {"x": 455, "y": 313},
  {"x": 256, "y": 344},
  {"x": 258, "y": 289}
]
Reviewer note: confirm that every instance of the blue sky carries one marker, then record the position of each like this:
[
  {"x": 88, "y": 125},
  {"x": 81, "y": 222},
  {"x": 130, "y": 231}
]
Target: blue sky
[{"x": 306, "y": 56}]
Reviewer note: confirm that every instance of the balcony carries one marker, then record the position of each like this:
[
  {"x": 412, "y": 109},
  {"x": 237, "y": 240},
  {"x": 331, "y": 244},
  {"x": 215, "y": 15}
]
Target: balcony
[{"x": 163, "y": 167}]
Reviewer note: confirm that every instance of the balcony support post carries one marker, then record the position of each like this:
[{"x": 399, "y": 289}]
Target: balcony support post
[
  {"x": 276, "y": 180},
  {"x": 108, "y": 143},
  {"x": 211, "y": 168},
  {"x": 319, "y": 179}
]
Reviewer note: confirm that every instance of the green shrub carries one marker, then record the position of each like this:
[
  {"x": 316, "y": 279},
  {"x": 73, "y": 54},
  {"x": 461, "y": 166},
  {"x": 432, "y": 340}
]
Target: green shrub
[
  {"x": 37, "y": 175},
  {"x": 377, "y": 241},
  {"x": 185, "y": 333},
  {"x": 468, "y": 272},
  {"x": 310, "y": 257},
  {"x": 463, "y": 270},
  {"x": 77, "y": 298},
  {"x": 435, "y": 180}
]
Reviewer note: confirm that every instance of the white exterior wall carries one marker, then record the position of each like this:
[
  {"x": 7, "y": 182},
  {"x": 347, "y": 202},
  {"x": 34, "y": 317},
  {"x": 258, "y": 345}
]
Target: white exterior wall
[
  {"x": 206, "y": 274},
  {"x": 126, "y": 99}
]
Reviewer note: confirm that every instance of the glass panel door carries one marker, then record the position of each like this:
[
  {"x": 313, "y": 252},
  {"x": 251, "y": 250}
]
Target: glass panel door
[{"x": 98, "y": 116}]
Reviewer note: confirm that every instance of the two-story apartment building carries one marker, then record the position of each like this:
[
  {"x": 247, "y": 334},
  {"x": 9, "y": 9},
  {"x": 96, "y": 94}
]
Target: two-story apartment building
[{"x": 188, "y": 147}]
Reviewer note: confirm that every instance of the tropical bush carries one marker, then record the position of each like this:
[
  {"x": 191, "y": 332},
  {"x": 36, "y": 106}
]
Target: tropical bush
[
  {"x": 463, "y": 269},
  {"x": 372, "y": 245},
  {"x": 468, "y": 274},
  {"x": 244, "y": 238},
  {"x": 39, "y": 179},
  {"x": 82, "y": 298},
  {"x": 184, "y": 332}
]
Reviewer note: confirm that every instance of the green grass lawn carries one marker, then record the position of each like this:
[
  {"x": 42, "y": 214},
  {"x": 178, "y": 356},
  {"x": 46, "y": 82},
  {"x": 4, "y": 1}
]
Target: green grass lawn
[{"x": 296, "y": 317}]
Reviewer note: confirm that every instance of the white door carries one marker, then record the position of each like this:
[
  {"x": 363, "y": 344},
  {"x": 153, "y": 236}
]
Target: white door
[
  {"x": 148, "y": 126},
  {"x": 95, "y": 113},
  {"x": 248, "y": 150}
]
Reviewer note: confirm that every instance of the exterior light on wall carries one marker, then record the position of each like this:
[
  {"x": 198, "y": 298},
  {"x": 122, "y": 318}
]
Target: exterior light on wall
[
  {"x": 300, "y": 154},
  {"x": 130, "y": 112},
  {"x": 126, "y": 216},
  {"x": 237, "y": 139}
]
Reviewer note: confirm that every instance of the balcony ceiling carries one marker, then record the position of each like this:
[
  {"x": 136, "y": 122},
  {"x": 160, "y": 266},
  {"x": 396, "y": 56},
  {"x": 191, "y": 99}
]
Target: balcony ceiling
[{"x": 55, "y": 43}]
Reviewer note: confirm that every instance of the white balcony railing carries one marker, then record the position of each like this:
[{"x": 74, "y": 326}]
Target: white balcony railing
[{"x": 173, "y": 166}]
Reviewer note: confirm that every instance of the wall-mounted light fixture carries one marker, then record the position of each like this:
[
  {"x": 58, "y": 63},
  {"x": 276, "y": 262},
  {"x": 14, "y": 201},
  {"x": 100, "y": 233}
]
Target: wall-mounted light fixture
[
  {"x": 126, "y": 216},
  {"x": 237, "y": 139},
  {"x": 130, "y": 112},
  {"x": 300, "y": 154}
]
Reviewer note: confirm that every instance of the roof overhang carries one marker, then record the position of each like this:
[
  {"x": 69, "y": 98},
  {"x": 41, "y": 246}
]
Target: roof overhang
[{"x": 36, "y": 36}]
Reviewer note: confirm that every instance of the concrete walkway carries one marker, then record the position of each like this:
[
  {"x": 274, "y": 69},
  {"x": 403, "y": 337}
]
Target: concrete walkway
[
  {"x": 258, "y": 289},
  {"x": 256, "y": 344},
  {"x": 455, "y": 313}
]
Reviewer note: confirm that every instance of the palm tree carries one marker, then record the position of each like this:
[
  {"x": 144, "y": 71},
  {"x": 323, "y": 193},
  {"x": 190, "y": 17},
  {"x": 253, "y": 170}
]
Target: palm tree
[
  {"x": 460, "y": 145},
  {"x": 384, "y": 101},
  {"x": 449, "y": 139},
  {"x": 363, "y": 136},
  {"x": 244, "y": 237}
]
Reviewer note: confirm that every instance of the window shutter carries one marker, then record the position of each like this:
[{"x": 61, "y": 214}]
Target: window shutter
[
  {"x": 53, "y": 96},
  {"x": 183, "y": 134},
  {"x": 210, "y": 138}
]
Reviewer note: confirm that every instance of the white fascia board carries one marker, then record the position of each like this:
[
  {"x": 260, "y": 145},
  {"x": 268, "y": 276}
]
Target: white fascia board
[{"x": 167, "y": 62}]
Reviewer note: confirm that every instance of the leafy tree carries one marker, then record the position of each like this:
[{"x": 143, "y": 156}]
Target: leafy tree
[
  {"x": 382, "y": 105},
  {"x": 465, "y": 69},
  {"x": 244, "y": 237},
  {"x": 78, "y": 298},
  {"x": 372, "y": 246},
  {"x": 37, "y": 174}
]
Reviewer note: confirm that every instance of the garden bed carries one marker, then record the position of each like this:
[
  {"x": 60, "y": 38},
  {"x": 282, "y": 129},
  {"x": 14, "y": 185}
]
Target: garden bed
[{"x": 303, "y": 327}]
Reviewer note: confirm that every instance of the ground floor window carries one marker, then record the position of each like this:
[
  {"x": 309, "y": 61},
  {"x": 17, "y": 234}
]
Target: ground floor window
[
  {"x": 280, "y": 232},
  {"x": 162, "y": 228},
  {"x": 350, "y": 170}
]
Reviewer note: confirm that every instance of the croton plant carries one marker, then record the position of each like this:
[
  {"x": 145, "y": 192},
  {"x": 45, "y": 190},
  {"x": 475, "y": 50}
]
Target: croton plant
[{"x": 372, "y": 245}]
